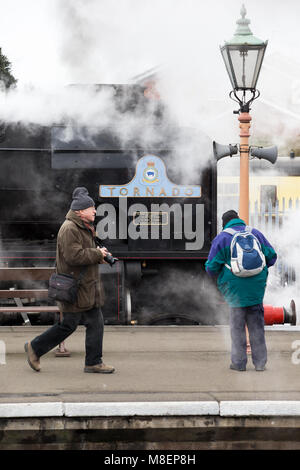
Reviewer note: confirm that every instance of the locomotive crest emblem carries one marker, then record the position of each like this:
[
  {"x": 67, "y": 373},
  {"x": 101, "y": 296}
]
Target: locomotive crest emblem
[{"x": 150, "y": 174}]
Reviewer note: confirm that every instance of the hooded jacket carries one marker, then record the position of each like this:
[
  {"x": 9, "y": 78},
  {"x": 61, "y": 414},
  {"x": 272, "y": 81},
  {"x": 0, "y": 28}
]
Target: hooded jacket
[
  {"x": 76, "y": 250},
  {"x": 238, "y": 291}
]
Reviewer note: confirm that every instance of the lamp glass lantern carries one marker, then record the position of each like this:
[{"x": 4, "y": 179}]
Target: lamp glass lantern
[{"x": 243, "y": 56}]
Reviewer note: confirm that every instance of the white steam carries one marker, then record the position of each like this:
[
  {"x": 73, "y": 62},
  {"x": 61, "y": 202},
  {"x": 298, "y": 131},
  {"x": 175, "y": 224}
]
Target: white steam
[
  {"x": 63, "y": 42},
  {"x": 45, "y": 107},
  {"x": 286, "y": 243}
]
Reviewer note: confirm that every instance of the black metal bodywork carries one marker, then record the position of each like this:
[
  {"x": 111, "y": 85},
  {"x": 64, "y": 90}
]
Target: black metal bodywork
[{"x": 155, "y": 280}]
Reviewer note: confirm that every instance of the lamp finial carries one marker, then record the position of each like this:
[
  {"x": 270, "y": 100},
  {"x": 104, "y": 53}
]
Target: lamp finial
[
  {"x": 243, "y": 11},
  {"x": 243, "y": 24}
]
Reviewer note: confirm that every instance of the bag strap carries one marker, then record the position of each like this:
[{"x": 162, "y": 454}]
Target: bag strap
[{"x": 81, "y": 274}]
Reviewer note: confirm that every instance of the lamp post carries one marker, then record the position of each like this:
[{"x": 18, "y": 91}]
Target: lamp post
[{"x": 243, "y": 56}]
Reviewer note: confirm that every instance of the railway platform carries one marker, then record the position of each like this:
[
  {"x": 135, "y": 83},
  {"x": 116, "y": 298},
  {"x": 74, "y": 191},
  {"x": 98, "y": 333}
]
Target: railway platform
[{"x": 172, "y": 389}]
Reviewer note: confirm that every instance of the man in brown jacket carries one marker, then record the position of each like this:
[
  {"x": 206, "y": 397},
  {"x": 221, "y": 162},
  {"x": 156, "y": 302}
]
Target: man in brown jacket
[{"x": 77, "y": 254}]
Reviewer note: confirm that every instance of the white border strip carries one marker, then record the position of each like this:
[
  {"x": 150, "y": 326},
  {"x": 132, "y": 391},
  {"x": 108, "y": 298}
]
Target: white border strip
[
  {"x": 178, "y": 408},
  {"x": 260, "y": 408},
  {"x": 143, "y": 408},
  {"x": 26, "y": 410}
]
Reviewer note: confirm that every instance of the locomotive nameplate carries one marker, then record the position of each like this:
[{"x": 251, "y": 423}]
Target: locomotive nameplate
[
  {"x": 150, "y": 218},
  {"x": 162, "y": 219},
  {"x": 150, "y": 180}
]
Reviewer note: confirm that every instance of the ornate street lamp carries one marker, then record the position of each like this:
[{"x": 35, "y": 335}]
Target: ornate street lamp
[{"x": 243, "y": 56}]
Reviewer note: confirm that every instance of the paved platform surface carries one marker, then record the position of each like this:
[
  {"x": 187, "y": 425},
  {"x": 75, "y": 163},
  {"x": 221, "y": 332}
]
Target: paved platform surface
[{"x": 153, "y": 364}]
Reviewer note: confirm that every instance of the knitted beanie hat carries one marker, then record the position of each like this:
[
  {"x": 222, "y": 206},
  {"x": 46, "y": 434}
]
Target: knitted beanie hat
[{"x": 81, "y": 199}]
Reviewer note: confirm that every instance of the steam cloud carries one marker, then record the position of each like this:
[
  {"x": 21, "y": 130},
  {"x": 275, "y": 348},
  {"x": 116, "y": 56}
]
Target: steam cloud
[
  {"x": 287, "y": 244},
  {"x": 108, "y": 41}
]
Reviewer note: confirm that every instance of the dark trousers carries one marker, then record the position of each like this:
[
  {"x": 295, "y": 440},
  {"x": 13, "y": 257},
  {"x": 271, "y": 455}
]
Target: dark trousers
[
  {"x": 93, "y": 322},
  {"x": 253, "y": 317}
]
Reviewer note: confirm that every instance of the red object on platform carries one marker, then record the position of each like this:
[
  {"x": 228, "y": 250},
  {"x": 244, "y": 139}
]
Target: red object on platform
[
  {"x": 280, "y": 315},
  {"x": 273, "y": 315}
]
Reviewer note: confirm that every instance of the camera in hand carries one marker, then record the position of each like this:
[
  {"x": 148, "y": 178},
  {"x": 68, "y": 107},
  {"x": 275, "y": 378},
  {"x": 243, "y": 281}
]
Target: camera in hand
[{"x": 108, "y": 258}]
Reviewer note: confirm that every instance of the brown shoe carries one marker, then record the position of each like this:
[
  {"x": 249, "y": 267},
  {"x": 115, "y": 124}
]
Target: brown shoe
[
  {"x": 32, "y": 358},
  {"x": 99, "y": 369}
]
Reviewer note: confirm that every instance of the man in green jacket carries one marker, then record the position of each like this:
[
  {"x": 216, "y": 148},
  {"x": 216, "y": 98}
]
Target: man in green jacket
[
  {"x": 77, "y": 253},
  {"x": 244, "y": 295}
]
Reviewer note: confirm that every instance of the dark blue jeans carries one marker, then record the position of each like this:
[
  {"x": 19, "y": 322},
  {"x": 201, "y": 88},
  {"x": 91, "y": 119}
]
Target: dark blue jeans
[
  {"x": 93, "y": 322},
  {"x": 253, "y": 317}
]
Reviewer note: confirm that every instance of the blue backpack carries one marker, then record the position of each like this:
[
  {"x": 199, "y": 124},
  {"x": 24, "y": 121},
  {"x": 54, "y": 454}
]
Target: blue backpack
[{"x": 247, "y": 258}]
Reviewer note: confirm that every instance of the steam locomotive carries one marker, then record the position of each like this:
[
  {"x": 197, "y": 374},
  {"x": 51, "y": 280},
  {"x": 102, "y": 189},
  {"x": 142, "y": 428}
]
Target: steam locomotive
[{"x": 157, "y": 220}]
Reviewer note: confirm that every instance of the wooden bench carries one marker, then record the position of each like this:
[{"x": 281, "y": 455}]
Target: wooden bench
[
  {"x": 28, "y": 274},
  {"x": 25, "y": 274}
]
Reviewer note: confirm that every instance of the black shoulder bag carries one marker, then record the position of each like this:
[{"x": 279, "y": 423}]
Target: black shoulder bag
[{"x": 64, "y": 287}]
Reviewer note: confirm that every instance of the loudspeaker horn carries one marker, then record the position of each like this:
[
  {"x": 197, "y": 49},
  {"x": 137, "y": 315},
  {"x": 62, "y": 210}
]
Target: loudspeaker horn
[
  {"x": 265, "y": 153},
  {"x": 221, "y": 151}
]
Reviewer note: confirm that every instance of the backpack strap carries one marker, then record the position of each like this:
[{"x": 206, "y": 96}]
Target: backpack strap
[{"x": 230, "y": 230}]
